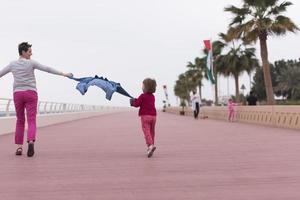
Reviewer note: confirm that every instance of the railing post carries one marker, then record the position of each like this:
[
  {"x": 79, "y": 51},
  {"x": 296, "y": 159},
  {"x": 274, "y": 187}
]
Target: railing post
[
  {"x": 51, "y": 105},
  {"x": 62, "y": 108},
  {"x": 54, "y": 109},
  {"x": 7, "y": 108},
  {"x": 59, "y": 108},
  {"x": 45, "y": 108},
  {"x": 38, "y": 108}
]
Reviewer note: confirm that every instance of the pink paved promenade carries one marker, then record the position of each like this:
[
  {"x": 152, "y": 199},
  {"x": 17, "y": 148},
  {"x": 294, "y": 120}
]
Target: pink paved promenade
[{"x": 103, "y": 158}]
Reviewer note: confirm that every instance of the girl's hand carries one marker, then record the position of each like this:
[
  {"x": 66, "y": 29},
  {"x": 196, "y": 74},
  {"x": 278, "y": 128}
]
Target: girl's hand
[{"x": 131, "y": 101}]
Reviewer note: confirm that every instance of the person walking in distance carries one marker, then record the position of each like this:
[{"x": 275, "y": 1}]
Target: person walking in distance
[
  {"x": 252, "y": 100},
  {"x": 195, "y": 104}
]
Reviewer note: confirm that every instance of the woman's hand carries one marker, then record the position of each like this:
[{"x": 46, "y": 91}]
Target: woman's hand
[{"x": 69, "y": 75}]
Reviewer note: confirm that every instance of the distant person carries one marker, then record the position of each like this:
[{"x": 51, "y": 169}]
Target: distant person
[
  {"x": 252, "y": 100},
  {"x": 195, "y": 104},
  {"x": 25, "y": 94},
  {"x": 231, "y": 110},
  {"x": 147, "y": 112}
]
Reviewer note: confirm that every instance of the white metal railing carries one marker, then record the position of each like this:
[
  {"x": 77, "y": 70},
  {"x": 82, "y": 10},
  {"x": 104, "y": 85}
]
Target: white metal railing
[{"x": 7, "y": 107}]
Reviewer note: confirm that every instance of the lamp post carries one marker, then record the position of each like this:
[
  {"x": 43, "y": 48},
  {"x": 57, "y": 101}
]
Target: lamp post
[{"x": 243, "y": 89}]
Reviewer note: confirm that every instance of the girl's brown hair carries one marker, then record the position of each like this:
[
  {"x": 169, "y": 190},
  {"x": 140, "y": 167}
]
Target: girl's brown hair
[{"x": 149, "y": 85}]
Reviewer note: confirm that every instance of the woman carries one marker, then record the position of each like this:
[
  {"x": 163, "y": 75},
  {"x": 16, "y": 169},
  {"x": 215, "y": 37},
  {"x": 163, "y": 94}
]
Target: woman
[{"x": 25, "y": 94}]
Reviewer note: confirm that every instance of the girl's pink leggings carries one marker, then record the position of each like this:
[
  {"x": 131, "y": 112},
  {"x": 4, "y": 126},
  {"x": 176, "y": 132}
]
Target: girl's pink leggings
[
  {"x": 148, "y": 126},
  {"x": 231, "y": 114}
]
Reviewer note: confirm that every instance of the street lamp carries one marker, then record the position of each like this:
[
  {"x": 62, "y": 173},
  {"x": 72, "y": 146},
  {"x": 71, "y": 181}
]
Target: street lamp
[{"x": 243, "y": 88}]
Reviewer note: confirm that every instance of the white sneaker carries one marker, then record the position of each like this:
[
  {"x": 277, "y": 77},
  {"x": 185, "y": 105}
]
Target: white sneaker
[{"x": 151, "y": 150}]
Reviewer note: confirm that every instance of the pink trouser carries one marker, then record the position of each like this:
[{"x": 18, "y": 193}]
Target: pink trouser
[
  {"x": 148, "y": 126},
  {"x": 25, "y": 100},
  {"x": 231, "y": 114}
]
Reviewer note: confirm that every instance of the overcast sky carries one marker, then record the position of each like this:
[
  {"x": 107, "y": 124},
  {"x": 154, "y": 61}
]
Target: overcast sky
[{"x": 125, "y": 41}]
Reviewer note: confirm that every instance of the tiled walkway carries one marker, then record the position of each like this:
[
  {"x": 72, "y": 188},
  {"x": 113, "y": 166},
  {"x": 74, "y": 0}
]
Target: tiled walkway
[{"x": 103, "y": 158}]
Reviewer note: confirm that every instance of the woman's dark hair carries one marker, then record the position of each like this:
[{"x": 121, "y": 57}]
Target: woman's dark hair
[
  {"x": 24, "y": 46},
  {"x": 149, "y": 85}
]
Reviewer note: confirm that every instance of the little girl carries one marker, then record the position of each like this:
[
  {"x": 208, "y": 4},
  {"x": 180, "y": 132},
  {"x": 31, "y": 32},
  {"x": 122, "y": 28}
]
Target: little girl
[
  {"x": 231, "y": 111},
  {"x": 147, "y": 112}
]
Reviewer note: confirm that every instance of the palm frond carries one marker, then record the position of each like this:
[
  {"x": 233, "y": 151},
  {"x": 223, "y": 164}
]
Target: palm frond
[
  {"x": 281, "y": 25},
  {"x": 269, "y": 3},
  {"x": 239, "y": 14},
  {"x": 276, "y": 10},
  {"x": 265, "y": 23},
  {"x": 251, "y": 37},
  {"x": 234, "y": 33},
  {"x": 255, "y": 3},
  {"x": 237, "y": 11},
  {"x": 190, "y": 65}
]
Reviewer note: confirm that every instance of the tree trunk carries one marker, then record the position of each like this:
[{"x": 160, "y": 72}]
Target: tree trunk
[
  {"x": 188, "y": 100},
  {"x": 266, "y": 68},
  {"x": 216, "y": 91},
  {"x": 200, "y": 89},
  {"x": 293, "y": 94},
  {"x": 237, "y": 88}
]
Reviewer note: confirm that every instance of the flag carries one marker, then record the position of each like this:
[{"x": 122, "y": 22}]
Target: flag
[
  {"x": 207, "y": 44},
  {"x": 209, "y": 61}
]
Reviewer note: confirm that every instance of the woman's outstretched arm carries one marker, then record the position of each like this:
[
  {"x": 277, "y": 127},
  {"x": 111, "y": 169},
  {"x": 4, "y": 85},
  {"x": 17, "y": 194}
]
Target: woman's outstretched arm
[
  {"x": 4, "y": 71},
  {"x": 50, "y": 69}
]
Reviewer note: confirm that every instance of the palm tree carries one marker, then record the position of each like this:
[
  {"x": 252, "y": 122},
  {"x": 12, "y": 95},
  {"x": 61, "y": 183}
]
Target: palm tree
[
  {"x": 198, "y": 72},
  {"x": 256, "y": 20},
  {"x": 183, "y": 87},
  {"x": 238, "y": 60}
]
